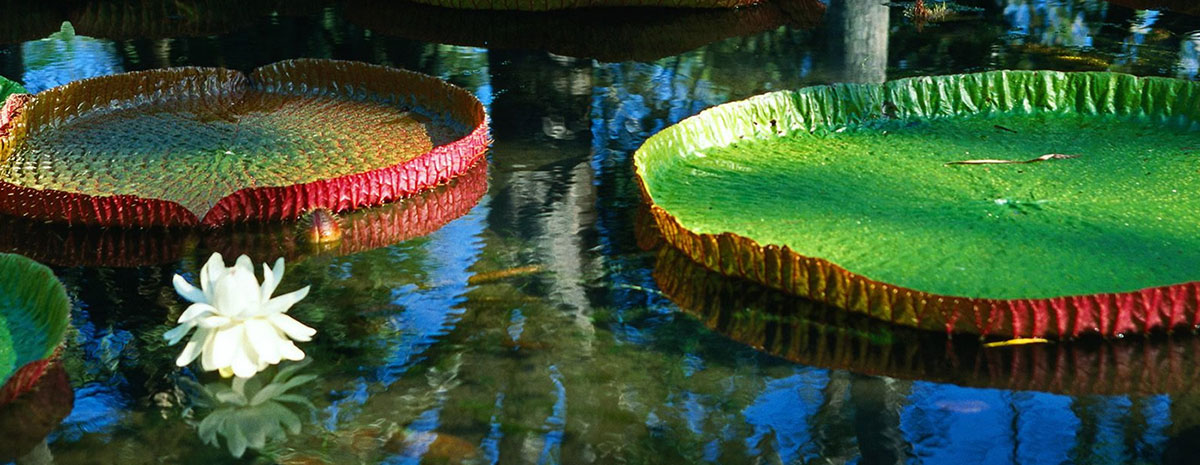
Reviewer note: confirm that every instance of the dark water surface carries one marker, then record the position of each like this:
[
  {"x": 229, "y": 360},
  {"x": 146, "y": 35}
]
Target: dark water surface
[{"x": 531, "y": 321}]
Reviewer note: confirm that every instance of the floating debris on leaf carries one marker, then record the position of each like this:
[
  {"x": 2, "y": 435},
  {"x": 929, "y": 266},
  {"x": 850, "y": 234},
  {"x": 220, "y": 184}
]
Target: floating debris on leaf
[{"x": 1048, "y": 156}]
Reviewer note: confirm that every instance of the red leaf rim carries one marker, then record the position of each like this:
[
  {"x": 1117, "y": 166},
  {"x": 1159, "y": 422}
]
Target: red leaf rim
[{"x": 369, "y": 229}]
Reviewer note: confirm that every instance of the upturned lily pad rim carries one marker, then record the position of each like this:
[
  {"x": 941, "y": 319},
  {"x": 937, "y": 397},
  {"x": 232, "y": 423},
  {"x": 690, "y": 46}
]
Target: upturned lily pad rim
[
  {"x": 369, "y": 188},
  {"x": 779, "y": 267},
  {"x": 32, "y": 295}
]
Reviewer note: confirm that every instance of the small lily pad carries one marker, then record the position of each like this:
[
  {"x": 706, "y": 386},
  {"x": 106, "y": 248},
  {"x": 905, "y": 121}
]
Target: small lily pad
[
  {"x": 1023, "y": 204},
  {"x": 34, "y": 311}
]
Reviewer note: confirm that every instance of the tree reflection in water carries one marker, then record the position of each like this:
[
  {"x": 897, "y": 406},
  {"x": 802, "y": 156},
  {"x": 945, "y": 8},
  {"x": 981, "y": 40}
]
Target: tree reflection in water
[{"x": 587, "y": 361}]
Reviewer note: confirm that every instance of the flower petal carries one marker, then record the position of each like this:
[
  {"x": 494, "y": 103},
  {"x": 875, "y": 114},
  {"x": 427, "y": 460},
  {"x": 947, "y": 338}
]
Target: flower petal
[
  {"x": 284, "y": 302},
  {"x": 176, "y": 334},
  {"x": 215, "y": 321},
  {"x": 294, "y": 329},
  {"x": 209, "y": 274},
  {"x": 193, "y": 348},
  {"x": 262, "y": 336},
  {"x": 277, "y": 270},
  {"x": 197, "y": 311},
  {"x": 237, "y": 293},
  {"x": 206, "y": 350},
  {"x": 289, "y": 351},
  {"x": 223, "y": 348},
  {"x": 245, "y": 264},
  {"x": 268, "y": 284},
  {"x": 244, "y": 362},
  {"x": 187, "y": 290}
]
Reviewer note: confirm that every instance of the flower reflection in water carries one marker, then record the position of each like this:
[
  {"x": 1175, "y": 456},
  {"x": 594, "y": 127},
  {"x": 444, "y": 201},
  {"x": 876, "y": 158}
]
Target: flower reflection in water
[
  {"x": 240, "y": 328},
  {"x": 250, "y": 412}
]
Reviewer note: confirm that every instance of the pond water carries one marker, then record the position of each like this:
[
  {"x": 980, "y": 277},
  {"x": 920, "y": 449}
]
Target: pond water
[{"x": 533, "y": 321}]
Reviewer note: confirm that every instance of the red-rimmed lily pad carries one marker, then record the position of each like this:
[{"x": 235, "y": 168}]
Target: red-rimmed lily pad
[
  {"x": 189, "y": 146},
  {"x": 34, "y": 311},
  {"x": 905, "y": 201},
  {"x": 815, "y": 334},
  {"x": 361, "y": 230}
]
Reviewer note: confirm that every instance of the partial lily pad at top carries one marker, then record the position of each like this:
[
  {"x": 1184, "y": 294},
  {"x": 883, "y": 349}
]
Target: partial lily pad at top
[
  {"x": 182, "y": 146},
  {"x": 606, "y": 34},
  {"x": 843, "y": 194},
  {"x": 34, "y": 311},
  {"x": 544, "y": 5}
]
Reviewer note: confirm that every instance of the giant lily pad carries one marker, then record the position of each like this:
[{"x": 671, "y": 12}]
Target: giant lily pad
[
  {"x": 819, "y": 335},
  {"x": 844, "y": 194},
  {"x": 608, "y": 34},
  {"x": 33, "y": 317},
  {"x": 185, "y": 146}
]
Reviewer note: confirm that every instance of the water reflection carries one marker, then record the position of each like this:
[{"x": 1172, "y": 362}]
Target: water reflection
[
  {"x": 860, "y": 28},
  {"x": 362, "y": 230},
  {"x": 814, "y": 334},
  {"x": 26, "y": 421},
  {"x": 585, "y": 360},
  {"x": 64, "y": 57},
  {"x": 252, "y": 412}
]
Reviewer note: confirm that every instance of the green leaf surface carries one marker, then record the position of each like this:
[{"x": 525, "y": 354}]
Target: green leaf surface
[
  {"x": 34, "y": 311},
  {"x": 857, "y": 175},
  {"x": 8, "y": 87}
]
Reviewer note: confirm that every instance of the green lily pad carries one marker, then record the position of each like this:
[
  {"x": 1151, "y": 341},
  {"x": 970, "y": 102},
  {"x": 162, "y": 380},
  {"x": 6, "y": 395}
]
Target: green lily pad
[
  {"x": 34, "y": 309},
  {"x": 9, "y": 87},
  {"x": 860, "y": 184}
]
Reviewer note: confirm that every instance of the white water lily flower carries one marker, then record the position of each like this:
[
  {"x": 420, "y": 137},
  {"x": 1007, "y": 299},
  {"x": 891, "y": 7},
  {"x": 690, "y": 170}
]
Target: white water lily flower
[{"x": 240, "y": 328}]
